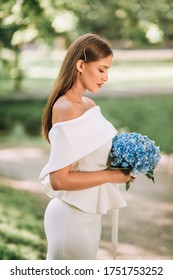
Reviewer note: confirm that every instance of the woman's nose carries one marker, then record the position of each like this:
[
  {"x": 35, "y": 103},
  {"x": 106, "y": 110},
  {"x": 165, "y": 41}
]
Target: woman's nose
[{"x": 105, "y": 77}]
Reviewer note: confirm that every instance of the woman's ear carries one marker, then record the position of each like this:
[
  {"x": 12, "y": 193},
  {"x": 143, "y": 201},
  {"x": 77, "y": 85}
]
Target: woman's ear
[{"x": 80, "y": 65}]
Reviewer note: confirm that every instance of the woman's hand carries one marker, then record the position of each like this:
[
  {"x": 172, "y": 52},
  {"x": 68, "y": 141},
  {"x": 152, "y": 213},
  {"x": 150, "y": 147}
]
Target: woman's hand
[{"x": 120, "y": 176}]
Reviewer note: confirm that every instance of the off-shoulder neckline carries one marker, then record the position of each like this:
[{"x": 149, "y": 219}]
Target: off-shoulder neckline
[{"x": 77, "y": 118}]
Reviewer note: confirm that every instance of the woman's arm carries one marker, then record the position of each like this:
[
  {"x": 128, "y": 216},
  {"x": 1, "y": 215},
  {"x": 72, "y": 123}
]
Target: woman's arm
[{"x": 65, "y": 179}]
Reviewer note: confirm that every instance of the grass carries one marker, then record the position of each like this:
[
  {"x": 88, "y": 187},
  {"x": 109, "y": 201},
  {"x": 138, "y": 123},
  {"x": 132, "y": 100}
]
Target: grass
[{"x": 21, "y": 225}]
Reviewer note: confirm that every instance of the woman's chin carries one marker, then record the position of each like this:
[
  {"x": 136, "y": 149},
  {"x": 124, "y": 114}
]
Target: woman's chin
[{"x": 94, "y": 90}]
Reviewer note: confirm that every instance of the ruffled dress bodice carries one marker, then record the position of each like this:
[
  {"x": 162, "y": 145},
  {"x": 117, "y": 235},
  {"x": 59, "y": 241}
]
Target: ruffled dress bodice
[{"x": 84, "y": 142}]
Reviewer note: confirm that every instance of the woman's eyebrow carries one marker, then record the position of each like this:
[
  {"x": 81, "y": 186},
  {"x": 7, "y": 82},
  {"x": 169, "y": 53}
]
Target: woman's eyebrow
[{"x": 104, "y": 66}]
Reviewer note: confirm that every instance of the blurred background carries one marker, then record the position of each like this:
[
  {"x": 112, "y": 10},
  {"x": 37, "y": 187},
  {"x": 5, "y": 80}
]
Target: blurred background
[{"x": 34, "y": 37}]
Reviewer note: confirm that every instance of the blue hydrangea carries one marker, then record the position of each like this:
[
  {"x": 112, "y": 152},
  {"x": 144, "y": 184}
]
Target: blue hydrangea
[{"x": 136, "y": 152}]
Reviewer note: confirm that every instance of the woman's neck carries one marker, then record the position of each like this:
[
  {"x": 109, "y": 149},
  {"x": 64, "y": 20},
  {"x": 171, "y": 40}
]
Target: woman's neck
[{"x": 75, "y": 94}]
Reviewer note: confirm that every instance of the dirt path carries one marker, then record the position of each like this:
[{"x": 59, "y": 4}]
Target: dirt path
[{"x": 146, "y": 225}]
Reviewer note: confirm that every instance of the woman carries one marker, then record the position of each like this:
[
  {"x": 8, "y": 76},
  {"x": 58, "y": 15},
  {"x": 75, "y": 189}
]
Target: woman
[{"x": 76, "y": 175}]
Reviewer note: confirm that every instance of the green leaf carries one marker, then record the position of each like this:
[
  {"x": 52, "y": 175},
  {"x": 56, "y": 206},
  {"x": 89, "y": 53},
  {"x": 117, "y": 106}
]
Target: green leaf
[
  {"x": 150, "y": 175},
  {"x": 127, "y": 185}
]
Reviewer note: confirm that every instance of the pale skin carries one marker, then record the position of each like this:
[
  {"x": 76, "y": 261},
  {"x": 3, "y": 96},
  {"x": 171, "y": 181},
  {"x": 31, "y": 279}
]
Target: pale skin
[{"x": 91, "y": 76}]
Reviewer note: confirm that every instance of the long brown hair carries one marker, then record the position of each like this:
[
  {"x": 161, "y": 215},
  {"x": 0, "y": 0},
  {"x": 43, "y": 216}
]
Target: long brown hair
[{"x": 89, "y": 48}]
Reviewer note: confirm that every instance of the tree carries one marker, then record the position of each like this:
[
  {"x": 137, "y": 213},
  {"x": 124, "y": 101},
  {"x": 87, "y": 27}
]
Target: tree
[
  {"x": 129, "y": 24},
  {"x": 21, "y": 22},
  {"x": 138, "y": 23}
]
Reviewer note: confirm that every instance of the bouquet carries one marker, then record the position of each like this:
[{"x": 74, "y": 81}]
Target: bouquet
[{"x": 134, "y": 153}]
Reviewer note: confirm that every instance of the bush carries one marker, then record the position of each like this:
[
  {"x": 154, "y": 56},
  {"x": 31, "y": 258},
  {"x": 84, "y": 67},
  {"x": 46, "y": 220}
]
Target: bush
[
  {"x": 150, "y": 115},
  {"x": 27, "y": 112}
]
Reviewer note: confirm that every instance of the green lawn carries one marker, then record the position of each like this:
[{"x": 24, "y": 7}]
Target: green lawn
[{"x": 21, "y": 225}]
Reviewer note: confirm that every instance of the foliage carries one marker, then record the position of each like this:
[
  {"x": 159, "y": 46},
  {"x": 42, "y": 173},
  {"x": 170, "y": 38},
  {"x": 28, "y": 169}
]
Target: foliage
[
  {"x": 24, "y": 21},
  {"x": 126, "y": 24},
  {"x": 148, "y": 115},
  {"x": 135, "y": 21},
  {"x": 21, "y": 22},
  {"x": 21, "y": 227},
  {"x": 26, "y": 112}
]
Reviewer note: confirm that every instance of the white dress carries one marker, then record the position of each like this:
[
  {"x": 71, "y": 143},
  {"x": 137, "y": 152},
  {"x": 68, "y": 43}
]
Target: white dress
[{"x": 84, "y": 142}]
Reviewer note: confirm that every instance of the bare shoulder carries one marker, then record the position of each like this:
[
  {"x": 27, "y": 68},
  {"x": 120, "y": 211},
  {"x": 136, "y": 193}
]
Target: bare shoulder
[
  {"x": 89, "y": 101},
  {"x": 64, "y": 110}
]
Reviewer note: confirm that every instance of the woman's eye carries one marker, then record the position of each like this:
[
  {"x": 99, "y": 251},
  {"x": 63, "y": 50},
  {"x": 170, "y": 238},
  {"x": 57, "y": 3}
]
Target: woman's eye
[{"x": 101, "y": 71}]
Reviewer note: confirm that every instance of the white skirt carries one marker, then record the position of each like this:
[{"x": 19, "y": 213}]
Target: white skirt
[{"x": 71, "y": 233}]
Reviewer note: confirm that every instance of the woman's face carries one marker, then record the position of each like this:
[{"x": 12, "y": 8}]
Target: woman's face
[{"x": 95, "y": 74}]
